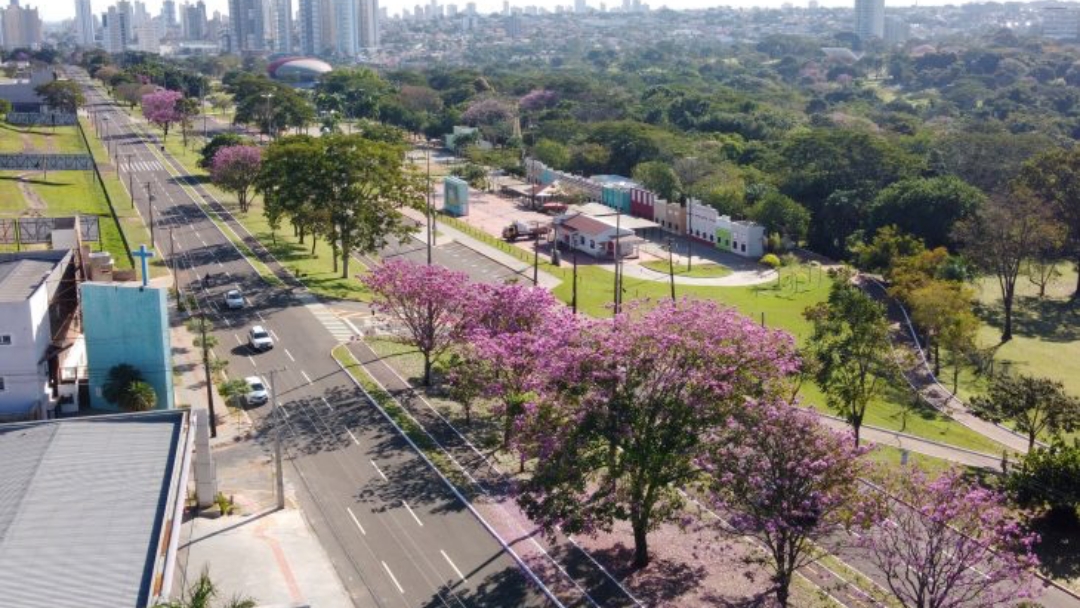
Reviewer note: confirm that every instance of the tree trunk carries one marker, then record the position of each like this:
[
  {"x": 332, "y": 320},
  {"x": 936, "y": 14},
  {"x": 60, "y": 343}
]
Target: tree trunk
[
  {"x": 1031, "y": 441},
  {"x": 313, "y": 242},
  {"x": 956, "y": 376},
  {"x": 783, "y": 589},
  {"x": 427, "y": 369},
  {"x": 856, "y": 425},
  {"x": 641, "y": 544},
  {"x": 345, "y": 261},
  {"x": 937, "y": 359},
  {"x": 1006, "y": 332},
  {"x": 1076, "y": 293}
]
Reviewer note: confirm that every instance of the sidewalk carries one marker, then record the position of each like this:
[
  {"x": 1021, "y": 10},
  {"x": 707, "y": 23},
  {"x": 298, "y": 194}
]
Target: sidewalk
[
  {"x": 269, "y": 555},
  {"x": 918, "y": 445}
]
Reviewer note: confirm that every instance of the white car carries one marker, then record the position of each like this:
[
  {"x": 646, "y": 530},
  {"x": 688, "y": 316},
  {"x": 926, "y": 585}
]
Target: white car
[
  {"x": 257, "y": 393},
  {"x": 234, "y": 299},
  {"x": 259, "y": 339}
]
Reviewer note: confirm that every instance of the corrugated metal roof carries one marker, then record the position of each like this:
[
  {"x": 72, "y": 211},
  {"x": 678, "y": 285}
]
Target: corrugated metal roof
[
  {"x": 22, "y": 273},
  {"x": 82, "y": 503}
]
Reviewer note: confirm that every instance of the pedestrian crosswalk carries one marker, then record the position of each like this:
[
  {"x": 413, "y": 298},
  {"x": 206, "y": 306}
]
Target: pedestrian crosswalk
[
  {"x": 337, "y": 328},
  {"x": 141, "y": 165}
]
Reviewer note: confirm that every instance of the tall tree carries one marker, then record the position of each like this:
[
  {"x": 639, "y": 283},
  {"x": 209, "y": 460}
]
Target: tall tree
[
  {"x": 786, "y": 480},
  {"x": 851, "y": 349},
  {"x": 781, "y": 215},
  {"x": 927, "y": 208},
  {"x": 62, "y": 95},
  {"x": 617, "y": 425},
  {"x": 1033, "y": 405},
  {"x": 1000, "y": 237},
  {"x": 162, "y": 109},
  {"x": 1054, "y": 177},
  {"x": 235, "y": 169},
  {"x": 1049, "y": 477},
  {"x": 430, "y": 303},
  {"x": 290, "y": 186},
  {"x": 659, "y": 177},
  {"x": 945, "y": 543},
  {"x": 221, "y": 140},
  {"x": 939, "y": 308}
]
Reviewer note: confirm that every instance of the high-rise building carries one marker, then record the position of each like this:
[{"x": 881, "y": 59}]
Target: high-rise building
[
  {"x": 193, "y": 21},
  {"x": 247, "y": 30},
  {"x": 870, "y": 18},
  {"x": 1060, "y": 22},
  {"x": 897, "y": 30},
  {"x": 84, "y": 23},
  {"x": 347, "y": 18},
  {"x": 283, "y": 26},
  {"x": 317, "y": 27},
  {"x": 369, "y": 24},
  {"x": 168, "y": 13},
  {"x": 21, "y": 27},
  {"x": 579, "y": 6},
  {"x": 147, "y": 37},
  {"x": 117, "y": 34}
]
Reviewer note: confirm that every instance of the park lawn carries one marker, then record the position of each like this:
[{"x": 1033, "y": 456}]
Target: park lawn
[
  {"x": 43, "y": 139},
  {"x": 11, "y": 198},
  {"x": 11, "y": 140},
  {"x": 699, "y": 271},
  {"x": 889, "y": 457},
  {"x": 70, "y": 192}
]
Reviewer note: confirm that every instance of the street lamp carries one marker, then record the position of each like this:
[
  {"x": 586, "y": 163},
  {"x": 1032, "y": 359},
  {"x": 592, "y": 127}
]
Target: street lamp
[{"x": 150, "y": 204}]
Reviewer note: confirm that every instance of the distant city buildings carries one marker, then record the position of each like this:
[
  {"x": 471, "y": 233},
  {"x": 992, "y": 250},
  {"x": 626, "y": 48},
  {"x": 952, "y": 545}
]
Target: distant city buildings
[
  {"x": 247, "y": 26},
  {"x": 116, "y": 31},
  {"x": 1060, "y": 22},
  {"x": 84, "y": 23},
  {"x": 21, "y": 27},
  {"x": 870, "y": 18}
]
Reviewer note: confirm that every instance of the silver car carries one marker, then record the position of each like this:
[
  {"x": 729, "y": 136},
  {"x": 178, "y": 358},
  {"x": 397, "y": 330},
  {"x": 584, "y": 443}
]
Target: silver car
[
  {"x": 257, "y": 393},
  {"x": 234, "y": 299},
  {"x": 259, "y": 339}
]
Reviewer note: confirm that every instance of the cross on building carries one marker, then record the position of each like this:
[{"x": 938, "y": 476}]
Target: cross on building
[{"x": 144, "y": 254}]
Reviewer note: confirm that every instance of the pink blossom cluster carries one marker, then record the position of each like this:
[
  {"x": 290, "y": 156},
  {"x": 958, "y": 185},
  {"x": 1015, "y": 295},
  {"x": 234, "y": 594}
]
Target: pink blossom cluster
[{"x": 538, "y": 99}]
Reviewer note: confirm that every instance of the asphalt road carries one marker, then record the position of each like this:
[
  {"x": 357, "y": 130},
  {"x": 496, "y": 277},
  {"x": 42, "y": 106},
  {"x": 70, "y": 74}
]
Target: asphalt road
[{"x": 396, "y": 533}]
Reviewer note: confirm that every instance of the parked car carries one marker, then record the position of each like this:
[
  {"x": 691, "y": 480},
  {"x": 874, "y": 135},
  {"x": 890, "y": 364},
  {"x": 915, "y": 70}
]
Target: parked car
[
  {"x": 257, "y": 393},
  {"x": 259, "y": 339},
  {"x": 234, "y": 299}
]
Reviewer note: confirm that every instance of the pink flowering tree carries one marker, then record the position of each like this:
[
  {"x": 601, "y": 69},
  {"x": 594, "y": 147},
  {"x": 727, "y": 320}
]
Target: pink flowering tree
[
  {"x": 627, "y": 407},
  {"x": 487, "y": 111},
  {"x": 431, "y": 303},
  {"x": 162, "y": 108},
  {"x": 947, "y": 543},
  {"x": 538, "y": 99},
  {"x": 235, "y": 169},
  {"x": 785, "y": 480}
]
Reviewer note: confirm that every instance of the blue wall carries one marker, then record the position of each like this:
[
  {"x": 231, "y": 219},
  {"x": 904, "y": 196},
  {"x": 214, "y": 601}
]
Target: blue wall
[
  {"x": 126, "y": 323},
  {"x": 616, "y": 198},
  {"x": 455, "y": 196}
]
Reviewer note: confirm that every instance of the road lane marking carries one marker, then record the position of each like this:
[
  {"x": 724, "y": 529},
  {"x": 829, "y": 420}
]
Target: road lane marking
[
  {"x": 409, "y": 509},
  {"x": 275, "y": 335},
  {"x": 306, "y": 377},
  {"x": 237, "y": 336},
  {"x": 379, "y": 471},
  {"x": 259, "y": 314},
  {"x": 202, "y": 241},
  {"x": 447, "y": 558},
  {"x": 289, "y": 355},
  {"x": 252, "y": 361},
  {"x": 284, "y": 411},
  {"x": 220, "y": 265},
  {"x": 226, "y": 320},
  {"x": 393, "y": 578},
  {"x": 355, "y": 440},
  {"x": 357, "y": 522},
  {"x": 327, "y": 404}
]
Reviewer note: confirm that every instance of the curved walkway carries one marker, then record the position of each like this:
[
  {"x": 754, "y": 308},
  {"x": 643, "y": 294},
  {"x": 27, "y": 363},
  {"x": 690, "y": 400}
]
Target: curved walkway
[{"x": 737, "y": 278}]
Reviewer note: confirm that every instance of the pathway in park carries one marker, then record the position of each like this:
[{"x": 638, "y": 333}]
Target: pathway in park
[{"x": 920, "y": 375}]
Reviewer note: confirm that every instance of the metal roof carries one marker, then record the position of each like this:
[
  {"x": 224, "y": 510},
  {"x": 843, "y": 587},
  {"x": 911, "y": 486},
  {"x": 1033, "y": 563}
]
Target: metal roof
[
  {"x": 82, "y": 505},
  {"x": 22, "y": 273}
]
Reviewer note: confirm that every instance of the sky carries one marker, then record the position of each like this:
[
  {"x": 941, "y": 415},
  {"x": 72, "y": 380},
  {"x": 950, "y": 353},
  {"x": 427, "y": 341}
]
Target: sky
[{"x": 56, "y": 10}]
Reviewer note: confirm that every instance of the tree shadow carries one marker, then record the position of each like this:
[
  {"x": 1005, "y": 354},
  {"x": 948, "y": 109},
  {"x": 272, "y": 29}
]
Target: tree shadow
[
  {"x": 1058, "y": 555},
  {"x": 1048, "y": 319},
  {"x": 506, "y": 587},
  {"x": 33, "y": 181}
]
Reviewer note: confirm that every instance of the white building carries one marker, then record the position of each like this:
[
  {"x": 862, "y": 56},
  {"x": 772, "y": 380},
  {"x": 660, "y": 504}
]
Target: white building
[
  {"x": 148, "y": 38},
  {"x": 84, "y": 23},
  {"x": 1060, "y": 22},
  {"x": 117, "y": 32},
  {"x": 37, "y": 301},
  {"x": 369, "y": 24},
  {"x": 596, "y": 236},
  {"x": 870, "y": 18}
]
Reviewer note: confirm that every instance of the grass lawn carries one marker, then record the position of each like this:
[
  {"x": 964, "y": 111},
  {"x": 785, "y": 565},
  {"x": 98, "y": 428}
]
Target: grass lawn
[
  {"x": 700, "y": 271},
  {"x": 42, "y": 139}
]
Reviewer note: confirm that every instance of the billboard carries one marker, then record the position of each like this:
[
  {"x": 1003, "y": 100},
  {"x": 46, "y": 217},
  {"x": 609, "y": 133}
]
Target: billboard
[{"x": 455, "y": 196}]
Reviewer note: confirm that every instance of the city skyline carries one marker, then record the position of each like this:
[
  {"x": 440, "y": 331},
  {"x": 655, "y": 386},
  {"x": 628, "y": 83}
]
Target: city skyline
[{"x": 52, "y": 11}]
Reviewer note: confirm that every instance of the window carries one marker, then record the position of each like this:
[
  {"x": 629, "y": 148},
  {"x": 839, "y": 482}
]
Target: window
[
  {"x": 5, "y": 339},
  {"x": 592, "y": 244},
  {"x": 2, "y": 387}
]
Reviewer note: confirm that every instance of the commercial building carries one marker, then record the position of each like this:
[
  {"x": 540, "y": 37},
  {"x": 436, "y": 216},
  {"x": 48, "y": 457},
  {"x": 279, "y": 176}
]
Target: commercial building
[
  {"x": 596, "y": 236},
  {"x": 21, "y": 27},
  {"x": 92, "y": 508},
  {"x": 126, "y": 323},
  {"x": 283, "y": 26},
  {"x": 38, "y": 307},
  {"x": 369, "y": 24},
  {"x": 1060, "y": 22},
  {"x": 247, "y": 26},
  {"x": 117, "y": 32},
  {"x": 318, "y": 34},
  {"x": 193, "y": 21},
  {"x": 870, "y": 18},
  {"x": 84, "y": 23}
]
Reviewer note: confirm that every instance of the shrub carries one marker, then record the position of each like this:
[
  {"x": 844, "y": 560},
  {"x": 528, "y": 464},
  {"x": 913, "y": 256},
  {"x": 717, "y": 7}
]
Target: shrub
[{"x": 770, "y": 260}]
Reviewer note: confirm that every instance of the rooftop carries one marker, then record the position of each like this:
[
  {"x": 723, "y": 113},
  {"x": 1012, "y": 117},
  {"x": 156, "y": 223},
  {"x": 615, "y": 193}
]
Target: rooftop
[
  {"x": 22, "y": 273},
  {"x": 82, "y": 508}
]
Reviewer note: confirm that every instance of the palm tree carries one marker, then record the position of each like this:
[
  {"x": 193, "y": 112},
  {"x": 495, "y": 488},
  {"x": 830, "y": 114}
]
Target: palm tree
[
  {"x": 120, "y": 377},
  {"x": 201, "y": 592},
  {"x": 139, "y": 397}
]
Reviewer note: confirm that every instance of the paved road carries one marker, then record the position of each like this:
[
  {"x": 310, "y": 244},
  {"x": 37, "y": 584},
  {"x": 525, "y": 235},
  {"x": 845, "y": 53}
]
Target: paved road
[{"x": 396, "y": 533}]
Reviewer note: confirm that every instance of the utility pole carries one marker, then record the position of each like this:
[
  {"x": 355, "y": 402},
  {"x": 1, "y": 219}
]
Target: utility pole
[
  {"x": 131, "y": 189},
  {"x": 209, "y": 380},
  {"x": 573, "y": 291},
  {"x": 172, "y": 265},
  {"x": 279, "y": 475},
  {"x": 150, "y": 204},
  {"x": 617, "y": 254},
  {"x": 269, "y": 119},
  {"x": 428, "y": 212},
  {"x": 536, "y": 252},
  {"x": 671, "y": 267}
]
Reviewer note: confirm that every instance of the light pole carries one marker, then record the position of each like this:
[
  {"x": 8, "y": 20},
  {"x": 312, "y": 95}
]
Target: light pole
[
  {"x": 131, "y": 189},
  {"x": 105, "y": 132},
  {"x": 279, "y": 478},
  {"x": 428, "y": 211},
  {"x": 150, "y": 204},
  {"x": 269, "y": 119}
]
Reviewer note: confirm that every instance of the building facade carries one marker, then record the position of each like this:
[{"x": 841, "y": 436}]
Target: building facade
[
  {"x": 870, "y": 18},
  {"x": 84, "y": 23},
  {"x": 21, "y": 27},
  {"x": 247, "y": 27},
  {"x": 117, "y": 33}
]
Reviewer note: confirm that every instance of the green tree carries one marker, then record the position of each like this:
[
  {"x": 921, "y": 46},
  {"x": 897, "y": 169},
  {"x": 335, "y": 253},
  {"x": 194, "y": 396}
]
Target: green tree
[
  {"x": 887, "y": 246},
  {"x": 119, "y": 379},
  {"x": 139, "y": 397},
  {"x": 221, "y": 140},
  {"x": 61, "y": 95},
  {"x": 1054, "y": 177},
  {"x": 659, "y": 177},
  {"x": 1048, "y": 477},
  {"x": 1000, "y": 237},
  {"x": 552, "y": 153},
  {"x": 187, "y": 109},
  {"x": 1033, "y": 406},
  {"x": 289, "y": 185},
  {"x": 356, "y": 93},
  {"x": 851, "y": 350},
  {"x": 780, "y": 214},
  {"x": 5, "y": 107},
  {"x": 939, "y": 308},
  {"x": 926, "y": 208}
]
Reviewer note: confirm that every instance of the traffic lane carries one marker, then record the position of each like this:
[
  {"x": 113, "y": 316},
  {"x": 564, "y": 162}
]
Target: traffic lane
[
  {"x": 453, "y": 256},
  {"x": 458, "y": 553}
]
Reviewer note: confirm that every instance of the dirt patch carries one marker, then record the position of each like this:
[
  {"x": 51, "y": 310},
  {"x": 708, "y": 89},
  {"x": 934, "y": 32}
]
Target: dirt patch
[{"x": 33, "y": 200}]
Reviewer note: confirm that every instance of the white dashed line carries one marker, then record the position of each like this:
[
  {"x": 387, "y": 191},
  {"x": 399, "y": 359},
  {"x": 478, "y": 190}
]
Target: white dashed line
[
  {"x": 306, "y": 377},
  {"x": 355, "y": 440},
  {"x": 327, "y": 404},
  {"x": 447, "y": 558},
  {"x": 357, "y": 522},
  {"x": 252, "y": 361},
  {"x": 238, "y": 339},
  {"x": 409, "y": 509},
  {"x": 393, "y": 578},
  {"x": 289, "y": 355},
  {"x": 378, "y": 470}
]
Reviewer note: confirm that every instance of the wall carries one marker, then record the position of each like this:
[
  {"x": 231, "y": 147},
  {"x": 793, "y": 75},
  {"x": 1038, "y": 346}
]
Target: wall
[
  {"x": 26, "y": 384},
  {"x": 455, "y": 196},
  {"x": 126, "y": 323}
]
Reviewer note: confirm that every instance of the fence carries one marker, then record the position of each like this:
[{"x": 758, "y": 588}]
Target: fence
[
  {"x": 58, "y": 119},
  {"x": 52, "y": 162}
]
